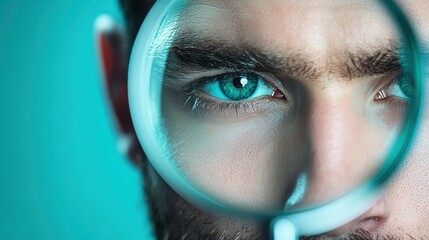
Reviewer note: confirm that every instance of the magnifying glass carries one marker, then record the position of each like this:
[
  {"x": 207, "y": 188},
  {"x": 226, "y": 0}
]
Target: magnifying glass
[{"x": 235, "y": 125}]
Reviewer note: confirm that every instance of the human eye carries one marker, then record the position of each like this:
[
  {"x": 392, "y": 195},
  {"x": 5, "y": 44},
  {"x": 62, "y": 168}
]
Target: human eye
[
  {"x": 400, "y": 87},
  {"x": 238, "y": 90},
  {"x": 238, "y": 86}
]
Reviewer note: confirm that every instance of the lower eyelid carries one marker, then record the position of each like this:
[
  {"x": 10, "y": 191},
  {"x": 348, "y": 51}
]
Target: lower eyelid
[{"x": 206, "y": 106}]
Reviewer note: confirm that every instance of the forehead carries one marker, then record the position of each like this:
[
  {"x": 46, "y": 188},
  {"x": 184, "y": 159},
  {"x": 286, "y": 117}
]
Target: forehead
[{"x": 322, "y": 27}]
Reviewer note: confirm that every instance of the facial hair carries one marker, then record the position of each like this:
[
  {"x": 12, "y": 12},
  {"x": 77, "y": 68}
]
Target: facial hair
[
  {"x": 174, "y": 218},
  {"x": 359, "y": 234}
]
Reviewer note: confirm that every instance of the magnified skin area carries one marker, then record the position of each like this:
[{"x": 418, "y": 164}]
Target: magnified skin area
[
  {"x": 335, "y": 118},
  {"x": 249, "y": 152}
]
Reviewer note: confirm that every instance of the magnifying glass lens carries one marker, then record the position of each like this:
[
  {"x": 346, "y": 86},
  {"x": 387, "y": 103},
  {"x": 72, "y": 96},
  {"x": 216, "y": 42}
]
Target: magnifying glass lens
[{"x": 264, "y": 113}]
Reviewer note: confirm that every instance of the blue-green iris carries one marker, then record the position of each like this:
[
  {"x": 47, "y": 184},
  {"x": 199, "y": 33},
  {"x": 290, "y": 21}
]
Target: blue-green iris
[{"x": 239, "y": 86}]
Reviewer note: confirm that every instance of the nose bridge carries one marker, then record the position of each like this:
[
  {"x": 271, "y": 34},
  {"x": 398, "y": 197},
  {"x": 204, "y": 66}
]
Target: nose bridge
[
  {"x": 333, "y": 122},
  {"x": 337, "y": 139}
]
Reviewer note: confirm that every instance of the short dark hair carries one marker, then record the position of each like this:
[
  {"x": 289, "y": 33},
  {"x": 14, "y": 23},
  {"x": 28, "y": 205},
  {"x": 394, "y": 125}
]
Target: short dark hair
[{"x": 134, "y": 12}]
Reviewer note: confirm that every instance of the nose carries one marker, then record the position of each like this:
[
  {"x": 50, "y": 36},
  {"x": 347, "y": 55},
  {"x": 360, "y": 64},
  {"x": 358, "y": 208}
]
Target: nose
[
  {"x": 369, "y": 221},
  {"x": 345, "y": 146}
]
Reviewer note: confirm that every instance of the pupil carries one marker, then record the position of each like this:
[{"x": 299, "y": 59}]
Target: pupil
[{"x": 239, "y": 82}]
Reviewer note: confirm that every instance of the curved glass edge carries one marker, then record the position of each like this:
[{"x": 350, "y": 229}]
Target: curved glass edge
[
  {"x": 398, "y": 154},
  {"x": 149, "y": 132},
  {"x": 141, "y": 92}
]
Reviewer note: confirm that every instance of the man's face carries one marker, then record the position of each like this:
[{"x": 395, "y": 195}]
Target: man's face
[{"x": 325, "y": 103}]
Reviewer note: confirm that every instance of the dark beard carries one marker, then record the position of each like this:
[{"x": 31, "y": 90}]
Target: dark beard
[
  {"x": 359, "y": 234},
  {"x": 174, "y": 218}
]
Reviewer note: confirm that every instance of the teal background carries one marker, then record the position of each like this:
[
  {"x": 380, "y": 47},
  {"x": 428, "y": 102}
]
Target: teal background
[{"x": 61, "y": 176}]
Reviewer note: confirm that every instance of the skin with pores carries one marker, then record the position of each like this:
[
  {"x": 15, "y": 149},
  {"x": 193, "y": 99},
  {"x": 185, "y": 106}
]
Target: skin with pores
[{"x": 325, "y": 119}]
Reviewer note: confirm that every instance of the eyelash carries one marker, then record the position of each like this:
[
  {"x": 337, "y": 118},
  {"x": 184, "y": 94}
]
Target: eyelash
[{"x": 204, "y": 105}]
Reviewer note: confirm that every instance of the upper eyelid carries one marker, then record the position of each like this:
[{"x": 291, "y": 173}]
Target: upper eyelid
[{"x": 268, "y": 78}]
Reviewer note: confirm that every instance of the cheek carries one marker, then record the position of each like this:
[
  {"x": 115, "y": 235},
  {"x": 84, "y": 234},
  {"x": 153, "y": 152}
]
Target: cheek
[
  {"x": 249, "y": 164},
  {"x": 409, "y": 193}
]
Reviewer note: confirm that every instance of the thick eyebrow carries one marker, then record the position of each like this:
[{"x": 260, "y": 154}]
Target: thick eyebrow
[
  {"x": 191, "y": 54},
  {"x": 197, "y": 54},
  {"x": 381, "y": 60}
]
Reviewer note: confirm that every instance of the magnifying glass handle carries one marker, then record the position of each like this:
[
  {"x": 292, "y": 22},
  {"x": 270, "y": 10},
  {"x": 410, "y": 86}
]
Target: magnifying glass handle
[{"x": 283, "y": 229}]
